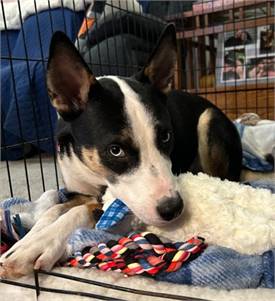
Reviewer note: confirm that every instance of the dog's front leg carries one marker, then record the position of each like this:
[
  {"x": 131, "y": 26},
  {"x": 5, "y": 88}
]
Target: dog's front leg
[{"x": 43, "y": 247}]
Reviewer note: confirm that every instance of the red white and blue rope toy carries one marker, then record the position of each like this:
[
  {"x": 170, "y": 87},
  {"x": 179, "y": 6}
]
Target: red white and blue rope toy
[{"x": 139, "y": 253}]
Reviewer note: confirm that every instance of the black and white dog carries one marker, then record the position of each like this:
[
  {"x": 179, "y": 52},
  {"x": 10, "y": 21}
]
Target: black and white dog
[{"x": 129, "y": 135}]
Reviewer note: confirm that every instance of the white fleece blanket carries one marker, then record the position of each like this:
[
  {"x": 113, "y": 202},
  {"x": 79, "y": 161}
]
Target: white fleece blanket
[{"x": 225, "y": 213}]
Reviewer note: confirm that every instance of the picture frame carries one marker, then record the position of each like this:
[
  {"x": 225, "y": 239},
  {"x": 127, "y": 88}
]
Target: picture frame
[{"x": 246, "y": 56}]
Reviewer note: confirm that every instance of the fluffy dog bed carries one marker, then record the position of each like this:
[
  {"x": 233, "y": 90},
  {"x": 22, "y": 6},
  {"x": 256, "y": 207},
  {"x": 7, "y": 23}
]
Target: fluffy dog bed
[{"x": 225, "y": 213}]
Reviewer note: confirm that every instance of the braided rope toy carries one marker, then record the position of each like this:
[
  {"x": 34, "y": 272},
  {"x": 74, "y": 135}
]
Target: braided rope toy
[{"x": 138, "y": 254}]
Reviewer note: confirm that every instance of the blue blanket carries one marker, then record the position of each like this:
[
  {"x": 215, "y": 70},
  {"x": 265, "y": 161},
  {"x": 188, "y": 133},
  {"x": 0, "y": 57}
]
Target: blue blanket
[{"x": 26, "y": 112}]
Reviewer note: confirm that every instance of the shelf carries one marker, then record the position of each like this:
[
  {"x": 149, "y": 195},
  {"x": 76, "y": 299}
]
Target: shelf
[
  {"x": 232, "y": 26},
  {"x": 214, "y": 7}
]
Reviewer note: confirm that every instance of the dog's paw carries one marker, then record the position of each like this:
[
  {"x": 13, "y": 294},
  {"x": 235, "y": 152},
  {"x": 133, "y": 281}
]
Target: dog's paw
[{"x": 27, "y": 255}]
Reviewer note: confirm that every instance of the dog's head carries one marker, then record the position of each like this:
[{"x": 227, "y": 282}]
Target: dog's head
[{"x": 121, "y": 127}]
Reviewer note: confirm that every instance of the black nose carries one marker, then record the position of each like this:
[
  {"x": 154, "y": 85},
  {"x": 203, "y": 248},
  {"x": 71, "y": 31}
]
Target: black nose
[{"x": 170, "y": 208}]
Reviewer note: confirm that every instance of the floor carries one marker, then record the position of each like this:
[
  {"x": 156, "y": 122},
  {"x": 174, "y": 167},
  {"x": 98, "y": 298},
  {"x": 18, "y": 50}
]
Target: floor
[{"x": 34, "y": 175}]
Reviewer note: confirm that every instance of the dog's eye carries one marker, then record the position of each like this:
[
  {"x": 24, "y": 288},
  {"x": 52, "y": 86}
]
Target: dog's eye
[
  {"x": 165, "y": 136},
  {"x": 116, "y": 151}
]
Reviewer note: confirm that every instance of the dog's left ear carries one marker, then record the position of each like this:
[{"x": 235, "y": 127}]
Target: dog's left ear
[{"x": 161, "y": 66}]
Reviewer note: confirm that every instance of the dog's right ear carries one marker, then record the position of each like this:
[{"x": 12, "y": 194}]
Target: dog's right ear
[
  {"x": 161, "y": 66},
  {"x": 69, "y": 79}
]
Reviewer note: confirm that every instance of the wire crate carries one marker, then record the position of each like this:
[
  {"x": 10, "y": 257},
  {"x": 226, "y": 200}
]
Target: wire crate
[{"x": 116, "y": 37}]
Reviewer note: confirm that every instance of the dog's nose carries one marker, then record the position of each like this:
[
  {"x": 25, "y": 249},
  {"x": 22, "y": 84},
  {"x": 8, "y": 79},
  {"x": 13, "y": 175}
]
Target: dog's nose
[{"x": 170, "y": 208}]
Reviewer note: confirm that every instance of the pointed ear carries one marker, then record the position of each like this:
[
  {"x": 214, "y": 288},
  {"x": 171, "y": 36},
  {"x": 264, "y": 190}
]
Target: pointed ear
[
  {"x": 162, "y": 63},
  {"x": 69, "y": 79}
]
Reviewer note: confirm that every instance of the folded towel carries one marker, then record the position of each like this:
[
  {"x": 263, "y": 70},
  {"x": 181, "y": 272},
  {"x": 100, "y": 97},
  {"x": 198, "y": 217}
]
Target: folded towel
[{"x": 258, "y": 141}]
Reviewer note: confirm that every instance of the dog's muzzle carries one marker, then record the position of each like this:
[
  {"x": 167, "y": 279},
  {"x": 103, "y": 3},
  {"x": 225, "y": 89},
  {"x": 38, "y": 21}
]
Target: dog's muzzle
[{"x": 170, "y": 208}]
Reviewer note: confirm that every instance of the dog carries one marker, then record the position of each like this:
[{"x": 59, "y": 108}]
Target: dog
[{"x": 127, "y": 137}]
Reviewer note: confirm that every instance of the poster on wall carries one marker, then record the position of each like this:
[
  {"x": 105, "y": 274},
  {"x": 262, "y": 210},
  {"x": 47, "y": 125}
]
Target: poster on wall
[{"x": 246, "y": 56}]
